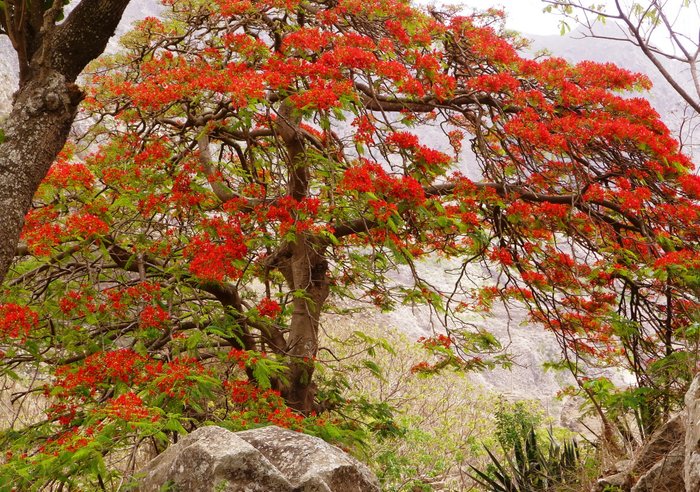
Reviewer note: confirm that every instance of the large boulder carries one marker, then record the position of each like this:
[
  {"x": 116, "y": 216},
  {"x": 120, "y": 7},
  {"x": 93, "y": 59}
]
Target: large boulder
[
  {"x": 692, "y": 437},
  {"x": 270, "y": 459},
  {"x": 9, "y": 76}
]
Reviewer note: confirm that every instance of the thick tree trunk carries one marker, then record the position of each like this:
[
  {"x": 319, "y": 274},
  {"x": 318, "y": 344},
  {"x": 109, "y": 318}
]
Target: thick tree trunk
[
  {"x": 35, "y": 132},
  {"x": 307, "y": 275},
  {"x": 45, "y": 105},
  {"x": 305, "y": 268}
]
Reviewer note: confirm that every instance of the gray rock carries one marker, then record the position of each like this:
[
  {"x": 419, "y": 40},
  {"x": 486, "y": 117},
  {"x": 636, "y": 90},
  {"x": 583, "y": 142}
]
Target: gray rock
[
  {"x": 306, "y": 460},
  {"x": 666, "y": 475},
  {"x": 270, "y": 459},
  {"x": 692, "y": 437},
  {"x": 658, "y": 460},
  {"x": 9, "y": 76},
  {"x": 659, "y": 445},
  {"x": 618, "y": 481}
]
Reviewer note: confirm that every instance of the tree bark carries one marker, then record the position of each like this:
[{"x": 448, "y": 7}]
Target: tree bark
[
  {"x": 304, "y": 266},
  {"x": 45, "y": 105},
  {"x": 306, "y": 272}
]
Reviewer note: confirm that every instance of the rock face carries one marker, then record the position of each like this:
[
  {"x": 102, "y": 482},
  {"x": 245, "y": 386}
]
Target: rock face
[
  {"x": 669, "y": 461},
  {"x": 657, "y": 465},
  {"x": 8, "y": 76},
  {"x": 270, "y": 459},
  {"x": 692, "y": 437},
  {"x": 666, "y": 475},
  {"x": 659, "y": 447}
]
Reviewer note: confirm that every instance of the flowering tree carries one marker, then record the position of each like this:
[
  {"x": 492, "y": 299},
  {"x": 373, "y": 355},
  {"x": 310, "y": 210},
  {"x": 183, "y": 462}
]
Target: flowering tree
[
  {"x": 250, "y": 161},
  {"x": 659, "y": 31}
]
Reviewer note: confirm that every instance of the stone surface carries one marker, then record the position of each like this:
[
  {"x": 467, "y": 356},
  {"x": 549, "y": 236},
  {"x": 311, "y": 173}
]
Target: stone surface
[
  {"x": 660, "y": 444},
  {"x": 666, "y": 475},
  {"x": 618, "y": 481},
  {"x": 8, "y": 77},
  {"x": 692, "y": 437},
  {"x": 270, "y": 459},
  {"x": 658, "y": 461},
  {"x": 306, "y": 460}
]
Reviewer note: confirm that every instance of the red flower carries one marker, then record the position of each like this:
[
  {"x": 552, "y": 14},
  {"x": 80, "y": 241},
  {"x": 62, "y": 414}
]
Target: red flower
[
  {"x": 65, "y": 174},
  {"x": 690, "y": 183},
  {"x": 153, "y": 317},
  {"x": 269, "y": 308},
  {"x": 86, "y": 225},
  {"x": 16, "y": 321},
  {"x": 403, "y": 140},
  {"x": 128, "y": 407}
]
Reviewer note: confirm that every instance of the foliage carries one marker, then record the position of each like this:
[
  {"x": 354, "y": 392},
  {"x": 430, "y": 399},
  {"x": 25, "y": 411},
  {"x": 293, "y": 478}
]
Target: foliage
[
  {"x": 513, "y": 421},
  {"x": 17, "y": 12},
  {"x": 439, "y": 419},
  {"x": 655, "y": 30},
  {"x": 653, "y": 27},
  {"x": 443, "y": 421},
  {"x": 249, "y": 163},
  {"x": 114, "y": 406},
  {"x": 528, "y": 468}
]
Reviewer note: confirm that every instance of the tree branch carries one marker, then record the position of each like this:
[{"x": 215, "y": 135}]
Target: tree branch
[
  {"x": 82, "y": 37},
  {"x": 363, "y": 225}
]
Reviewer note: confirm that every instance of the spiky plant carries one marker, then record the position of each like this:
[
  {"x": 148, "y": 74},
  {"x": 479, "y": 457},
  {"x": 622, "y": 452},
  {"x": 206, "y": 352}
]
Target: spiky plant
[{"x": 528, "y": 468}]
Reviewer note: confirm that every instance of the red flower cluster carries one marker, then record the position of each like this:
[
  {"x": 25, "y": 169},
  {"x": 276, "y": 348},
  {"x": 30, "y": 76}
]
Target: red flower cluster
[
  {"x": 77, "y": 304},
  {"x": 127, "y": 407},
  {"x": 97, "y": 370},
  {"x": 177, "y": 377},
  {"x": 269, "y": 308},
  {"x": 41, "y": 232},
  {"x": 65, "y": 174},
  {"x": 258, "y": 406},
  {"x": 369, "y": 177},
  {"x": 17, "y": 321},
  {"x": 440, "y": 340},
  {"x": 85, "y": 226},
  {"x": 214, "y": 254},
  {"x": 684, "y": 258},
  {"x": 154, "y": 317}
]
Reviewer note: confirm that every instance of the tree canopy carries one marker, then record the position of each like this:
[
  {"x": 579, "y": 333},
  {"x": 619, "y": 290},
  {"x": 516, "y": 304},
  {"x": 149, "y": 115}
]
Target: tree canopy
[{"x": 251, "y": 163}]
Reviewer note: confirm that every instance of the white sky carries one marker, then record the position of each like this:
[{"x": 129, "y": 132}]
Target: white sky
[
  {"x": 526, "y": 15},
  {"x": 523, "y": 15}
]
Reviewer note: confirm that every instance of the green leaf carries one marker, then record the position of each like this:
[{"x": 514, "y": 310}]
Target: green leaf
[
  {"x": 173, "y": 424},
  {"x": 193, "y": 340},
  {"x": 443, "y": 222},
  {"x": 124, "y": 201},
  {"x": 81, "y": 453},
  {"x": 262, "y": 376},
  {"x": 564, "y": 28},
  {"x": 331, "y": 237},
  {"x": 373, "y": 368}
]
